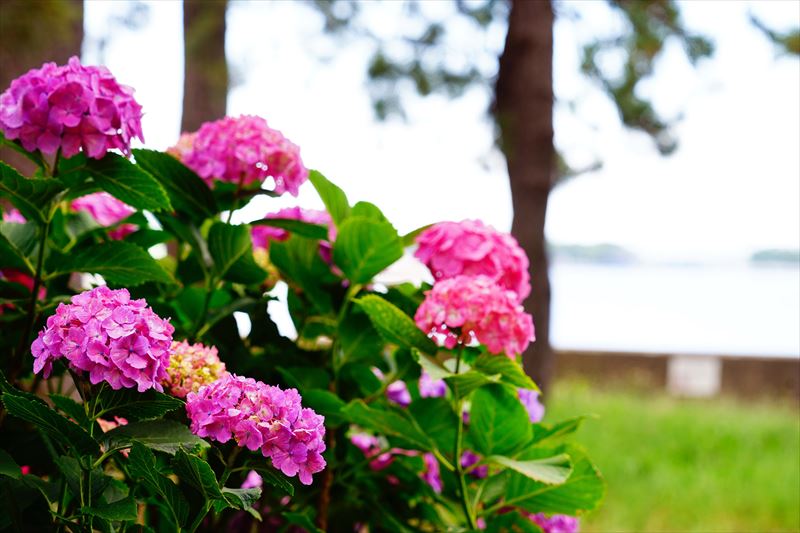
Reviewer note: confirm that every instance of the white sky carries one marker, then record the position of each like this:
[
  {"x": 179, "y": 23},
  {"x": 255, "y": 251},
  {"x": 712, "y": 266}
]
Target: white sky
[{"x": 733, "y": 185}]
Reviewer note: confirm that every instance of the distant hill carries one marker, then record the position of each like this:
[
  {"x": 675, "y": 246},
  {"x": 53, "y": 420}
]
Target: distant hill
[
  {"x": 776, "y": 256},
  {"x": 594, "y": 253}
]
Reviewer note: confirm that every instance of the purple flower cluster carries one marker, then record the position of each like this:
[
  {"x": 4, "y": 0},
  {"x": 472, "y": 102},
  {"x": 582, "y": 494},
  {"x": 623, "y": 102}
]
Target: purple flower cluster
[
  {"x": 242, "y": 150},
  {"x": 103, "y": 332},
  {"x": 431, "y": 388},
  {"x": 557, "y": 523},
  {"x": 262, "y": 416},
  {"x": 107, "y": 211},
  {"x": 470, "y": 458},
  {"x": 530, "y": 400},
  {"x": 70, "y": 107}
]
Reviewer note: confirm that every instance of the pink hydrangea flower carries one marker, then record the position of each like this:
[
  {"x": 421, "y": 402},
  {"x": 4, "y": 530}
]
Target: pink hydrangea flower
[
  {"x": 397, "y": 391},
  {"x": 557, "y": 523},
  {"x": 467, "y": 308},
  {"x": 253, "y": 480},
  {"x": 190, "y": 367},
  {"x": 263, "y": 235},
  {"x": 107, "y": 211},
  {"x": 70, "y": 107},
  {"x": 431, "y": 474},
  {"x": 14, "y": 216},
  {"x": 469, "y": 458},
  {"x": 243, "y": 150},
  {"x": 260, "y": 416},
  {"x": 113, "y": 338},
  {"x": 471, "y": 248},
  {"x": 530, "y": 400},
  {"x": 370, "y": 445},
  {"x": 431, "y": 388}
]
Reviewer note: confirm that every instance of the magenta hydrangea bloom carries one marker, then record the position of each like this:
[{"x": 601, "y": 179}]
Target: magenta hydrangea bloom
[
  {"x": 107, "y": 211},
  {"x": 469, "y": 458},
  {"x": 468, "y": 308},
  {"x": 557, "y": 523},
  {"x": 431, "y": 388},
  {"x": 471, "y": 248},
  {"x": 243, "y": 150},
  {"x": 263, "y": 235},
  {"x": 530, "y": 400},
  {"x": 70, "y": 107},
  {"x": 113, "y": 338},
  {"x": 261, "y": 416},
  {"x": 13, "y": 216}
]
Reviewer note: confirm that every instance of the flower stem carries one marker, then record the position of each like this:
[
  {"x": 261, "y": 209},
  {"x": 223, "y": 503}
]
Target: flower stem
[{"x": 462, "y": 482}]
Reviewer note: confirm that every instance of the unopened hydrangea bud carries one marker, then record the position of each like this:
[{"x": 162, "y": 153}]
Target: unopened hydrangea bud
[
  {"x": 471, "y": 248},
  {"x": 464, "y": 308},
  {"x": 113, "y": 338},
  {"x": 70, "y": 108},
  {"x": 243, "y": 151},
  {"x": 190, "y": 367}
]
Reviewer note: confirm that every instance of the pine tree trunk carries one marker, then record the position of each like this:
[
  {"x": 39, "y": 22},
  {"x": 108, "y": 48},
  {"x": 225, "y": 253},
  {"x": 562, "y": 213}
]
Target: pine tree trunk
[
  {"x": 524, "y": 113},
  {"x": 205, "y": 82},
  {"x": 31, "y": 34}
]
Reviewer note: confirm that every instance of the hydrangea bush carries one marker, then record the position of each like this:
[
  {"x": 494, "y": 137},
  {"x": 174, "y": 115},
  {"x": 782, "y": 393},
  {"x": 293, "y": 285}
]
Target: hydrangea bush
[{"x": 146, "y": 387}]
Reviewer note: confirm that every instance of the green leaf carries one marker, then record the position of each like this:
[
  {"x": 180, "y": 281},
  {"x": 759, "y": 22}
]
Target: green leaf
[
  {"x": 17, "y": 242},
  {"x": 166, "y": 436},
  {"x": 332, "y": 196},
  {"x": 394, "y": 325},
  {"x": 387, "y": 423},
  {"x": 511, "y": 522},
  {"x": 9, "y": 467},
  {"x": 511, "y": 372},
  {"x": 549, "y": 470},
  {"x": 368, "y": 210},
  {"x": 74, "y": 476},
  {"x": 135, "y": 405},
  {"x": 197, "y": 473},
  {"x": 299, "y": 261},
  {"x": 119, "y": 177},
  {"x": 246, "y": 271},
  {"x": 72, "y": 409},
  {"x": 365, "y": 247},
  {"x": 581, "y": 492},
  {"x": 543, "y": 432},
  {"x": 299, "y": 227},
  {"x": 358, "y": 340},
  {"x": 271, "y": 476},
  {"x": 55, "y": 425},
  {"x": 467, "y": 382},
  {"x": 120, "y": 263},
  {"x": 326, "y": 404},
  {"x": 120, "y": 510},
  {"x": 187, "y": 191},
  {"x": 226, "y": 244},
  {"x": 302, "y": 520},
  {"x": 142, "y": 465},
  {"x": 437, "y": 419},
  {"x": 499, "y": 424},
  {"x": 241, "y": 498},
  {"x": 431, "y": 366},
  {"x": 28, "y": 195}
]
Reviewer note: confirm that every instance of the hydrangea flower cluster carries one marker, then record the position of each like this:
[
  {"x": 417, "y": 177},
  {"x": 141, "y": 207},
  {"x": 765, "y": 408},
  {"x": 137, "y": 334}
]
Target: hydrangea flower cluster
[
  {"x": 467, "y": 308},
  {"x": 190, "y": 367},
  {"x": 469, "y": 458},
  {"x": 370, "y": 445},
  {"x": 471, "y": 248},
  {"x": 70, "y": 107},
  {"x": 113, "y": 338},
  {"x": 530, "y": 400},
  {"x": 260, "y": 416},
  {"x": 242, "y": 150},
  {"x": 107, "y": 211},
  {"x": 263, "y": 235},
  {"x": 557, "y": 523}
]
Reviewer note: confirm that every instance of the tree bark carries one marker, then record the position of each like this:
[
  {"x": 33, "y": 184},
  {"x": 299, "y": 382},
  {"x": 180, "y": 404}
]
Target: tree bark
[
  {"x": 31, "y": 34},
  {"x": 205, "y": 82},
  {"x": 524, "y": 113}
]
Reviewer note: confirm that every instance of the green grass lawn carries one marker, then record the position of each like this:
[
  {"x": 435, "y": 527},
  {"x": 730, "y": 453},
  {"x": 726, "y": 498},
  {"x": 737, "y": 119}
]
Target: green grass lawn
[{"x": 709, "y": 465}]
